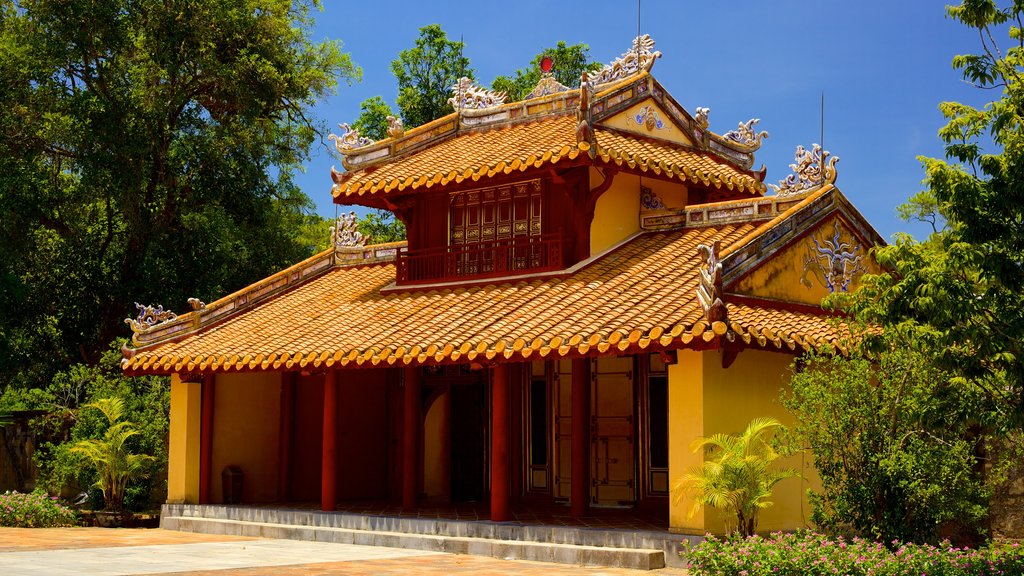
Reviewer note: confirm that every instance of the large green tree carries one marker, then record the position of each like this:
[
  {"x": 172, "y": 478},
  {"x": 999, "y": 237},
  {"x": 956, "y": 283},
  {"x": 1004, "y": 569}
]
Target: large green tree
[
  {"x": 961, "y": 290},
  {"x": 568, "y": 65},
  {"x": 147, "y": 149},
  {"x": 895, "y": 445},
  {"x": 425, "y": 74}
]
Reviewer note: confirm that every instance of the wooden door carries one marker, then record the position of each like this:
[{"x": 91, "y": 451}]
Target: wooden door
[{"x": 613, "y": 454}]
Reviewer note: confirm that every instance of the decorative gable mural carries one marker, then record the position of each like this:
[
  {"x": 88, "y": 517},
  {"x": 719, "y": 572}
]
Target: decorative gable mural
[
  {"x": 831, "y": 258},
  {"x": 647, "y": 118}
]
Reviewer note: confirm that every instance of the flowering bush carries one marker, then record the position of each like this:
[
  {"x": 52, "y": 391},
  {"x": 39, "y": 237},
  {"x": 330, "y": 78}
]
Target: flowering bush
[
  {"x": 812, "y": 554},
  {"x": 35, "y": 510}
]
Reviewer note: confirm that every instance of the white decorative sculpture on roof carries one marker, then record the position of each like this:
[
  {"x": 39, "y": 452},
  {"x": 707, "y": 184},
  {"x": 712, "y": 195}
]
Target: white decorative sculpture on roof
[
  {"x": 811, "y": 169},
  {"x": 345, "y": 234},
  {"x": 468, "y": 96},
  {"x": 639, "y": 59},
  {"x": 349, "y": 138},
  {"x": 744, "y": 133}
]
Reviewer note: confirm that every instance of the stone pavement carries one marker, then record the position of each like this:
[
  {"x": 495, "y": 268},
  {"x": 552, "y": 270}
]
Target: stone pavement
[{"x": 122, "y": 552}]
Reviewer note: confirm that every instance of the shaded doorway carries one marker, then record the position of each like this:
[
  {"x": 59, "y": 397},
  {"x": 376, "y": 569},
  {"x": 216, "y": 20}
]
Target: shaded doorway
[{"x": 468, "y": 441}]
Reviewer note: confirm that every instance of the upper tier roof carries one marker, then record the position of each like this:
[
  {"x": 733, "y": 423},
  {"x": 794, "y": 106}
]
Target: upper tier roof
[{"x": 485, "y": 138}]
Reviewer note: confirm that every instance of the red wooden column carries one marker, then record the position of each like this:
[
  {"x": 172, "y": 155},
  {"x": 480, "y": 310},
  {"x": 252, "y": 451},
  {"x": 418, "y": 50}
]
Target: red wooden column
[
  {"x": 500, "y": 444},
  {"x": 206, "y": 439},
  {"x": 410, "y": 437},
  {"x": 328, "y": 474},
  {"x": 285, "y": 434},
  {"x": 579, "y": 485}
]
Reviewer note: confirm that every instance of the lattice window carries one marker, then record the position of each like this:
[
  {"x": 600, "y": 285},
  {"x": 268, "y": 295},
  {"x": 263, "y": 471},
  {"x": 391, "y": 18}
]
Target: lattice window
[{"x": 497, "y": 213}]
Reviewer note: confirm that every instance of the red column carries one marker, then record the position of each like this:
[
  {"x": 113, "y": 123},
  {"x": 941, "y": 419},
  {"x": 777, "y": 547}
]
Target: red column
[
  {"x": 410, "y": 437},
  {"x": 284, "y": 458},
  {"x": 206, "y": 439},
  {"x": 328, "y": 478},
  {"x": 579, "y": 485},
  {"x": 500, "y": 444}
]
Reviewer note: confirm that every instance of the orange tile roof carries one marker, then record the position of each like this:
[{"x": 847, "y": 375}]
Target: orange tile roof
[
  {"x": 640, "y": 296},
  {"x": 484, "y": 153},
  {"x": 674, "y": 161},
  {"x": 469, "y": 155}
]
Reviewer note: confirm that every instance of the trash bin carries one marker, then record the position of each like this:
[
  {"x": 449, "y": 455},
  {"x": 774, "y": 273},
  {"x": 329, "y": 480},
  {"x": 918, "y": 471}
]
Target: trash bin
[{"x": 232, "y": 478}]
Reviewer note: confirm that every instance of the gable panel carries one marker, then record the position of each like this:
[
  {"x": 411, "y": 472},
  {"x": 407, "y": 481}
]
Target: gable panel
[
  {"x": 830, "y": 258},
  {"x": 648, "y": 119}
]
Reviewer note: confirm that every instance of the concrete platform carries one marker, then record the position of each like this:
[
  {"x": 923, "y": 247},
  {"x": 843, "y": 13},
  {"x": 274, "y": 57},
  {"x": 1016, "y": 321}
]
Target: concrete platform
[{"x": 638, "y": 550}]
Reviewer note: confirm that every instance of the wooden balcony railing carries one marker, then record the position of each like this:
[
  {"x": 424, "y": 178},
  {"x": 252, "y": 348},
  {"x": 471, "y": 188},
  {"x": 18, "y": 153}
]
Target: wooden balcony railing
[{"x": 481, "y": 260}]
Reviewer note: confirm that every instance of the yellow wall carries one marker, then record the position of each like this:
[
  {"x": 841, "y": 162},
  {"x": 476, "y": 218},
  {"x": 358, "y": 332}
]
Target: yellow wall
[
  {"x": 183, "y": 448},
  {"x": 705, "y": 399},
  {"x": 246, "y": 428},
  {"x": 617, "y": 212},
  {"x": 627, "y": 120},
  {"x": 436, "y": 479},
  {"x": 794, "y": 274}
]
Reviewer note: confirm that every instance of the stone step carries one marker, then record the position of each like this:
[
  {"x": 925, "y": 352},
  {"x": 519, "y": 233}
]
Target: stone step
[
  {"x": 583, "y": 536},
  {"x": 507, "y": 549}
]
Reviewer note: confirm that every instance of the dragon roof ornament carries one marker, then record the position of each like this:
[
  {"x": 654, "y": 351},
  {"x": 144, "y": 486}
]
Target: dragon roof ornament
[
  {"x": 344, "y": 233},
  {"x": 639, "y": 59},
  {"x": 701, "y": 116},
  {"x": 812, "y": 169},
  {"x": 396, "y": 129},
  {"x": 547, "y": 85},
  {"x": 148, "y": 317},
  {"x": 468, "y": 96},
  {"x": 349, "y": 139},
  {"x": 745, "y": 134},
  {"x": 710, "y": 289}
]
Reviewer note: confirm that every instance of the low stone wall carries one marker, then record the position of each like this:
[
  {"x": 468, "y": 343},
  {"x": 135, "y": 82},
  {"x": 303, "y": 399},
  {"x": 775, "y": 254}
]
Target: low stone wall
[
  {"x": 17, "y": 445},
  {"x": 1006, "y": 516}
]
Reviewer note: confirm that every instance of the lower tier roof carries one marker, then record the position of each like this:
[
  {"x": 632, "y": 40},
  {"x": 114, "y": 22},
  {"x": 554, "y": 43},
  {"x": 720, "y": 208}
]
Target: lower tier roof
[{"x": 640, "y": 296}]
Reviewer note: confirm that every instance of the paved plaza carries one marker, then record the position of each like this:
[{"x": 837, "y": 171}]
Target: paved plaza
[{"x": 122, "y": 552}]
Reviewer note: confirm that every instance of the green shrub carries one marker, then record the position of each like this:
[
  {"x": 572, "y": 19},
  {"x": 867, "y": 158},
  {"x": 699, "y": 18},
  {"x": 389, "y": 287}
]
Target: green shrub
[
  {"x": 35, "y": 510},
  {"x": 812, "y": 554}
]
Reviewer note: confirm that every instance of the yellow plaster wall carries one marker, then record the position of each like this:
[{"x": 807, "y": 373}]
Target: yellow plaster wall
[
  {"x": 627, "y": 120},
  {"x": 685, "y": 423},
  {"x": 617, "y": 212},
  {"x": 435, "y": 447},
  {"x": 246, "y": 430},
  {"x": 793, "y": 273},
  {"x": 706, "y": 399},
  {"x": 183, "y": 442}
]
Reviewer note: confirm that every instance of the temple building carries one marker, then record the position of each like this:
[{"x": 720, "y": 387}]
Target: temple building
[{"x": 592, "y": 280}]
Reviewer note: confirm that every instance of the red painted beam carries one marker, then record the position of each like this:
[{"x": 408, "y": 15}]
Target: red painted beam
[
  {"x": 579, "y": 482},
  {"x": 206, "y": 439},
  {"x": 328, "y": 474},
  {"x": 410, "y": 437},
  {"x": 500, "y": 444}
]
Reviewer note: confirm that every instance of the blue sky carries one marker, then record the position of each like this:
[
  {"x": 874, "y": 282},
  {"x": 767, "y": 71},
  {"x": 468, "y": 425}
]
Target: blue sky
[{"x": 883, "y": 66}]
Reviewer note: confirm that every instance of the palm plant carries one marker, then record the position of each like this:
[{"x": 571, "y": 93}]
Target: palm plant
[
  {"x": 737, "y": 476},
  {"x": 115, "y": 464}
]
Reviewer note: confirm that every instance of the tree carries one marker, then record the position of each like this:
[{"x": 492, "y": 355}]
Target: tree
[
  {"x": 146, "y": 154},
  {"x": 373, "y": 118},
  {"x": 895, "y": 445},
  {"x": 738, "y": 477},
  {"x": 960, "y": 291},
  {"x": 381, "y": 226},
  {"x": 568, "y": 65},
  {"x": 425, "y": 73},
  {"x": 110, "y": 456}
]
